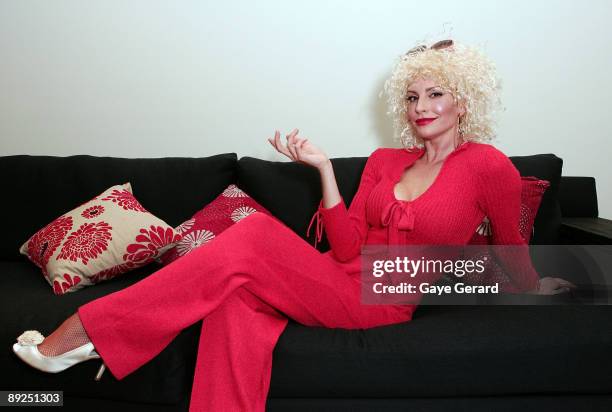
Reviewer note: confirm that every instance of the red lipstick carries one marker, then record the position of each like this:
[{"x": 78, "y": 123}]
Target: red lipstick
[{"x": 424, "y": 121}]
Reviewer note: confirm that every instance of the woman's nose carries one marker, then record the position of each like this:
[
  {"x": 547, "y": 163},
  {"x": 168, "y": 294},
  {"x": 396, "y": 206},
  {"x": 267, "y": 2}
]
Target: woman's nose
[{"x": 421, "y": 106}]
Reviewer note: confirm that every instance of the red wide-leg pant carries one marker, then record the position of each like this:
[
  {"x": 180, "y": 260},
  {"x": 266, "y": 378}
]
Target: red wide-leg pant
[{"x": 244, "y": 284}]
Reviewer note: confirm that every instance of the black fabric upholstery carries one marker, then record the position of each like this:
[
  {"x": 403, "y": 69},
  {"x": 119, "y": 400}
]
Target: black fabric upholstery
[
  {"x": 509, "y": 403},
  {"x": 27, "y": 302},
  {"x": 443, "y": 351},
  {"x": 292, "y": 191},
  {"x": 41, "y": 188},
  {"x": 578, "y": 196},
  {"x": 460, "y": 357},
  {"x": 452, "y": 351}
]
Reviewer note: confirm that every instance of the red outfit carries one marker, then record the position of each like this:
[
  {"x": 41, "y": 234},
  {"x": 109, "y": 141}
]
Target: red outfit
[
  {"x": 256, "y": 274},
  {"x": 476, "y": 180}
]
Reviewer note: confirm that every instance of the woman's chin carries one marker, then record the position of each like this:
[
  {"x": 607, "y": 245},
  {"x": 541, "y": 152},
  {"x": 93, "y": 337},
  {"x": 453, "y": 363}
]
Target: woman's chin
[
  {"x": 425, "y": 137},
  {"x": 429, "y": 135}
]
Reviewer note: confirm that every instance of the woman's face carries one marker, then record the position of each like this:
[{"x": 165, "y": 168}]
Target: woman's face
[{"x": 432, "y": 112}]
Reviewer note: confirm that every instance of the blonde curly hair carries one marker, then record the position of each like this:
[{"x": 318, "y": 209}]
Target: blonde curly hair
[{"x": 463, "y": 71}]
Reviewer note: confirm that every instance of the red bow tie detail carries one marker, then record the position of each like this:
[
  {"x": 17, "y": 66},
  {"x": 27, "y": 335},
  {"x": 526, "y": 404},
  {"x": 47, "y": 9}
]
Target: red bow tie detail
[{"x": 397, "y": 216}]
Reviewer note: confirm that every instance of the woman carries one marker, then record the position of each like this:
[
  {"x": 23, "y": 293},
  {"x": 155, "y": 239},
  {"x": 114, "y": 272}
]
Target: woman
[{"x": 434, "y": 191}]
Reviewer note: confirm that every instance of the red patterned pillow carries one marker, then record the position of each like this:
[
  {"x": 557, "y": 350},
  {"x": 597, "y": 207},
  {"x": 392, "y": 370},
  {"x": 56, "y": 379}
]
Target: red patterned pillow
[
  {"x": 98, "y": 240},
  {"x": 531, "y": 196},
  {"x": 228, "y": 208}
]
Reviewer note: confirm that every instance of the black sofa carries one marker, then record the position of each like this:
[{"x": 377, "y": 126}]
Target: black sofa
[{"x": 555, "y": 356}]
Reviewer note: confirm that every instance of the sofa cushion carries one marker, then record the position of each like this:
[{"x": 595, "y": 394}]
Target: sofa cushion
[
  {"x": 442, "y": 351},
  {"x": 109, "y": 235},
  {"x": 292, "y": 191},
  {"x": 27, "y": 304},
  {"x": 231, "y": 206},
  {"x": 451, "y": 351},
  {"x": 170, "y": 188}
]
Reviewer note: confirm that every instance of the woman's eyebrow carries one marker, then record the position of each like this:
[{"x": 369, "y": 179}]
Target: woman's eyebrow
[{"x": 428, "y": 89}]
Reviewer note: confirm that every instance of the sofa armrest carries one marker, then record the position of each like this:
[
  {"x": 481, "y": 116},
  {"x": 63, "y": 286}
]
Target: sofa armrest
[{"x": 586, "y": 231}]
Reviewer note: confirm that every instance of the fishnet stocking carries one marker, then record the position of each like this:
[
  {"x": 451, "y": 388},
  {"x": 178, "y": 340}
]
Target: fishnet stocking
[{"x": 68, "y": 336}]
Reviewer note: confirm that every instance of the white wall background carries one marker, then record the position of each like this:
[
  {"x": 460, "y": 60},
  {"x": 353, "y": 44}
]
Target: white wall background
[{"x": 195, "y": 78}]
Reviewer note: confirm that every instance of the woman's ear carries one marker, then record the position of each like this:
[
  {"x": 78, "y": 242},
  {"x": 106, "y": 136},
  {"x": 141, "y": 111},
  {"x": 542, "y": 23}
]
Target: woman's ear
[{"x": 461, "y": 108}]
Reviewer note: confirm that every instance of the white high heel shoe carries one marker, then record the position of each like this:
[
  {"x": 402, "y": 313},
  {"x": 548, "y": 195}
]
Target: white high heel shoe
[{"x": 27, "y": 350}]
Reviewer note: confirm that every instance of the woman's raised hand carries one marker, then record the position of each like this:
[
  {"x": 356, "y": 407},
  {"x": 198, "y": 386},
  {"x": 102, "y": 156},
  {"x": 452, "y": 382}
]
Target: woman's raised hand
[{"x": 299, "y": 149}]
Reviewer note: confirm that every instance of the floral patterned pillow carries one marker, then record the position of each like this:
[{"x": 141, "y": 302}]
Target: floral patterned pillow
[
  {"x": 109, "y": 235},
  {"x": 228, "y": 208}
]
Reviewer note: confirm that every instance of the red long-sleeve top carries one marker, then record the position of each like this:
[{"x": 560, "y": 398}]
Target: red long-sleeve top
[{"x": 475, "y": 180}]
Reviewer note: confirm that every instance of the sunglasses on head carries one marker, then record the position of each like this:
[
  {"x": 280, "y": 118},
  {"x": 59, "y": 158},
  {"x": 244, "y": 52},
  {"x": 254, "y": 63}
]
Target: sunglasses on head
[{"x": 442, "y": 44}]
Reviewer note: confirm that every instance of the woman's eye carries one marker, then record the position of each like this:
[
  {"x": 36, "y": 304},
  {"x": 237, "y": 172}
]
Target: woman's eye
[
  {"x": 436, "y": 94},
  {"x": 410, "y": 98}
]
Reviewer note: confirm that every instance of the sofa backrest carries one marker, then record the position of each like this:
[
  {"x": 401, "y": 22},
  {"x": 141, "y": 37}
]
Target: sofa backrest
[
  {"x": 578, "y": 196},
  {"x": 38, "y": 189},
  {"x": 292, "y": 191}
]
